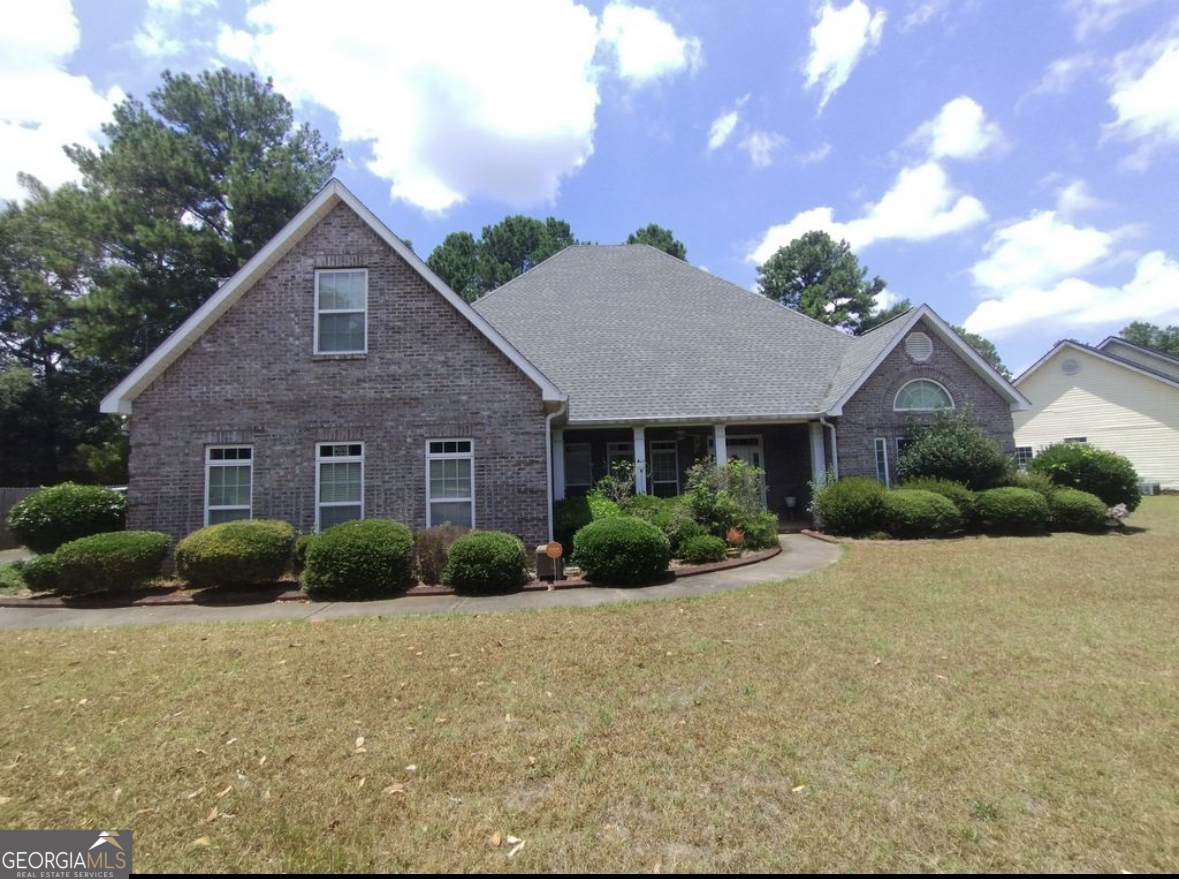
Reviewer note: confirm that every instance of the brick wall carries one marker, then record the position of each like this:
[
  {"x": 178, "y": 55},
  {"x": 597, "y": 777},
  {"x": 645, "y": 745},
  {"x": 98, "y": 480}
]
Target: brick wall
[
  {"x": 253, "y": 378},
  {"x": 869, "y": 413}
]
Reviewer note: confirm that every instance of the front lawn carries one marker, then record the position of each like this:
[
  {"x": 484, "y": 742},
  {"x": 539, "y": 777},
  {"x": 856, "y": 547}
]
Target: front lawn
[{"x": 984, "y": 704}]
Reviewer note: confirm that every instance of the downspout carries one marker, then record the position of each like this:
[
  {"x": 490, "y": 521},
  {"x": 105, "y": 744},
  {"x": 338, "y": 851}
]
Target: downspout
[
  {"x": 548, "y": 458},
  {"x": 834, "y": 445}
]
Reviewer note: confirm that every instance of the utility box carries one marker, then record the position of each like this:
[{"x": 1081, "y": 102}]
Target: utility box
[{"x": 549, "y": 562}]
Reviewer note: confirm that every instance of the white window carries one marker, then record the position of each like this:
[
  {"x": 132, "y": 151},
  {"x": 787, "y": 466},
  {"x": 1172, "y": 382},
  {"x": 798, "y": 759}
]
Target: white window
[
  {"x": 579, "y": 468},
  {"x": 923, "y": 395},
  {"x": 619, "y": 453},
  {"x": 339, "y": 483},
  {"x": 450, "y": 482},
  {"x": 1023, "y": 457},
  {"x": 341, "y": 308},
  {"x": 1077, "y": 439},
  {"x": 882, "y": 473},
  {"x": 665, "y": 468},
  {"x": 229, "y": 483}
]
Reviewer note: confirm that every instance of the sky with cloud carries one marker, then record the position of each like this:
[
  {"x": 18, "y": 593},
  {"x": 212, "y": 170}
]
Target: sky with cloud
[{"x": 1013, "y": 165}]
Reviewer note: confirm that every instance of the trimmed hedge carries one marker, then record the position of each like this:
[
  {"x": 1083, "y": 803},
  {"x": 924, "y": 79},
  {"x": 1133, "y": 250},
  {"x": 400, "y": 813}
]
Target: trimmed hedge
[
  {"x": 299, "y": 559},
  {"x": 951, "y": 445},
  {"x": 853, "y": 506},
  {"x": 957, "y": 493},
  {"x": 1040, "y": 483},
  {"x": 1012, "y": 510},
  {"x": 703, "y": 549},
  {"x": 913, "y": 512},
  {"x": 244, "y": 552},
  {"x": 431, "y": 546},
  {"x": 670, "y": 515},
  {"x": 1108, "y": 475},
  {"x": 621, "y": 550},
  {"x": 1074, "y": 510},
  {"x": 573, "y": 514},
  {"x": 483, "y": 562},
  {"x": 105, "y": 562},
  {"x": 39, "y": 572},
  {"x": 50, "y": 517},
  {"x": 761, "y": 531},
  {"x": 364, "y": 558}
]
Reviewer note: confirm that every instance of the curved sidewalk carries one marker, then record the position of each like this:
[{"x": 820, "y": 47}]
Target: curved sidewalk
[{"x": 801, "y": 555}]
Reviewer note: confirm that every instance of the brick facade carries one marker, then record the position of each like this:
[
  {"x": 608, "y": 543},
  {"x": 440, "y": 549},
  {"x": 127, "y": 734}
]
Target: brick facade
[
  {"x": 869, "y": 414},
  {"x": 252, "y": 378}
]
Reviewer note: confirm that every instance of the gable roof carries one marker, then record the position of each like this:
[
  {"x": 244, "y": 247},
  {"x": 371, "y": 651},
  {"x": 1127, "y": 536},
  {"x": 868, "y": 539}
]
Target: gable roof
[
  {"x": 1147, "y": 358},
  {"x": 1102, "y": 355},
  {"x": 120, "y": 400},
  {"x": 634, "y": 335}
]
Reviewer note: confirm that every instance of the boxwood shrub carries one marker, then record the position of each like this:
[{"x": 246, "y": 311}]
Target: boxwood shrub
[
  {"x": 105, "y": 562},
  {"x": 670, "y": 515},
  {"x": 245, "y": 552},
  {"x": 914, "y": 512},
  {"x": 359, "y": 559},
  {"x": 299, "y": 558},
  {"x": 621, "y": 550},
  {"x": 572, "y": 514},
  {"x": 703, "y": 549},
  {"x": 1040, "y": 483},
  {"x": 1108, "y": 475},
  {"x": 1011, "y": 510},
  {"x": 484, "y": 562},
  {"x": 47, "y": 518},
  {"x": 853, "y": 506},
  {"x": 957, "y": 493},
  {"x": 39, "y": 572},
  {"x": 1074, "y": 510}
]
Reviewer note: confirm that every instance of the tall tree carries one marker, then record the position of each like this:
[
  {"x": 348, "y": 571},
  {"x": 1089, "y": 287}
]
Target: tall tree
[
  {"x": 1164, "y": 340},
  {"x": 986, "y": 349},
  {"x": 823, "y": 279},
  {"x": 658, "y": 237},
  {"x": 188, "y": 188}
]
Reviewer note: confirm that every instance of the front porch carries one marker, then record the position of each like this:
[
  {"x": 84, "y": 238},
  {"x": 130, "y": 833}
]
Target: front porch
[{"x": 792, "y": 454}]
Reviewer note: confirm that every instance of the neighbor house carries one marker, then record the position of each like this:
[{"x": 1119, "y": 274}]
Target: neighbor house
[
  {"x": 1115, "y": 395},
  {"x": 335, "y": 376}
]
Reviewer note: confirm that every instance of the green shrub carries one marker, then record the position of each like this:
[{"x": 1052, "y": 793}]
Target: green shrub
[
  {"x": 431, "y": 546},
  {"x": 1074, "y": 510},
  {"x": 703, "y": 549},
  {"x": 670, "y": 515},
  {"x": 244, "y": 552},
  {"x": 47, "y": 518},
  {"x": 761, "y": 531},
  {"x": 914, "y": 512},
  {"x": 1108, "y": 475},
  {"x": 363, "y": 558},
  {"x": 851, "y": 506},
  {"x": 722, "y": 496},
  {"x": 572, "y": 514},
  {"x": 1011, "y": 510},
  {"x": 104, "y": 562},
  {"x": 299, "y": 559},
  {"x": 484, "y": 562},
  {"x": 40, "y": 572},
  {"x": 957, "y": 493},
  {"x": 1040, "y": 483},
  {"x": 621, "y": 550},
  {"x": 952, "y": 446}
]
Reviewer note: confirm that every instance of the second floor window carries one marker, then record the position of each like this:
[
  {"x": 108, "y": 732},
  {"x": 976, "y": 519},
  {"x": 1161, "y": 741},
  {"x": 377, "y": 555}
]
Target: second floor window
[{"x": 341, "y": 311}]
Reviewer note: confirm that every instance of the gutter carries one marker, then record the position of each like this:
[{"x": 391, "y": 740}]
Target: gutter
[
  {"x": 834, "y": 444},
  {"x": 548, "y": 458}
]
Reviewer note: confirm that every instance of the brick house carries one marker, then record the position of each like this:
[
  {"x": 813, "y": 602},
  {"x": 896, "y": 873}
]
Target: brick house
[{"x": 335, "y": 376}]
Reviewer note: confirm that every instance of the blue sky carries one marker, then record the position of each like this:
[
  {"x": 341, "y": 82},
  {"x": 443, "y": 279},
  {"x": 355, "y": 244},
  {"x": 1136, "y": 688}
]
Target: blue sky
[{"x": 1014, "y": 165}]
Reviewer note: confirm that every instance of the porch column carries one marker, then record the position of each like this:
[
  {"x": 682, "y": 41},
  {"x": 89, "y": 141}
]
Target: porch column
[
  {"x": 558, "y": 464},
  {"x": 818, "y": 453},
  {"x": 719, "y": 445},
  {"x": 640, "y": 446}
]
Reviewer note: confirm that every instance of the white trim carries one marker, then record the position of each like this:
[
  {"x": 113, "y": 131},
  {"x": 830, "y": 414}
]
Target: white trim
[
  {"x": 818, "y": 453},
  {"x": 345, "y": 459},
  {"x": 468, "y": 455},
  {"x": 558, "y": 452},
  {"x": 638, "y": 454},
  {"x": 720, "y": 450},
  {"x": 121, "y": 399},
  {"x": 880, "y": 446},
  {"x": 946, "y": 333},
  {"x": 210, "y": 464},
  {"x": 319, "y": 312},
  {"x": 1100, "y": 355},
  {"x": 930, "y": 381}
]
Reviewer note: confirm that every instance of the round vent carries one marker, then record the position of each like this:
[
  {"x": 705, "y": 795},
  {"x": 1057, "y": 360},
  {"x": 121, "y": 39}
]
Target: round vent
[
  {"x": 919, "y": 347},
  {"x": 1070, "y": 366}
]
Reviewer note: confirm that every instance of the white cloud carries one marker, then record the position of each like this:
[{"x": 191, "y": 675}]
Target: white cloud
[
  {"x": 1059, "y": 77},
  {"x": 1075, "y": 303},
  {"x": 1076, "y": 198},
  {"x": 819, "y": 153},
  {"x": 959, "y": 131},
  {"x": 164, "y": 29},
  {"x": 922, "y": 204},
  {"x": 761, "y": 146},
  {"x": 923, "y": 11},
  {"x": 1145, "y": 98},
  {"x": 42, "y": 107},
  {"x": 885, "y": 300},
  {"x": 839, "y": 39},
  {"x": 1038, "y": 252},
  {"x": 646, "y": 46},
  {"x": 724, "y": 125},
  {"x": 1096, "y": 16}
]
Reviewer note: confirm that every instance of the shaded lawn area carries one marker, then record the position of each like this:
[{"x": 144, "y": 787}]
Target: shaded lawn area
[{"x": 992, "y": 704}]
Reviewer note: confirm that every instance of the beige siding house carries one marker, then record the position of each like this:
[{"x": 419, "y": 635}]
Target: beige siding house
[{"x": 1115, "y": 396}]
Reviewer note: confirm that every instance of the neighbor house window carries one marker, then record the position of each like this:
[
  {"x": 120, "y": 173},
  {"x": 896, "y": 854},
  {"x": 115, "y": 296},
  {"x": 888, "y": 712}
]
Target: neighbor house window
[
  {"x": 579, "y": 466},
  {"x": 341, "y": 309},
  {"x": 1023, "y": 457},
  {"x": 339, "y": 483},
  {"x": 1077, "y": 439},
  {"x": 229, "y": 483},
  {"x": 882, "y": 473},
  {"x": 665, "y": 468},
  {"x": 450, "y": 483},
  {"x": 923, "y": 395}
]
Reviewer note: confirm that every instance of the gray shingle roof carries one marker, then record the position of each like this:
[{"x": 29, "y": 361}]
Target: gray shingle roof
[{"x": 632, "y": 334}]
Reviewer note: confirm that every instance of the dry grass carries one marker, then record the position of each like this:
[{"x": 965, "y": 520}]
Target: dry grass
[{"x": 975, "y": 705}]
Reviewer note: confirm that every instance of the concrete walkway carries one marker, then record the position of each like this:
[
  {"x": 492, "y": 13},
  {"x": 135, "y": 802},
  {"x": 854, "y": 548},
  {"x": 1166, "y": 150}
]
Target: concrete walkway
[{"x": 801, "y": 556}]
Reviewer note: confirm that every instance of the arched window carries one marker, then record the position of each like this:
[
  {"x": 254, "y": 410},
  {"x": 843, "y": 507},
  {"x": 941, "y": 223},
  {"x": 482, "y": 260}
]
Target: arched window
[{"x": 922, "y": 395}]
